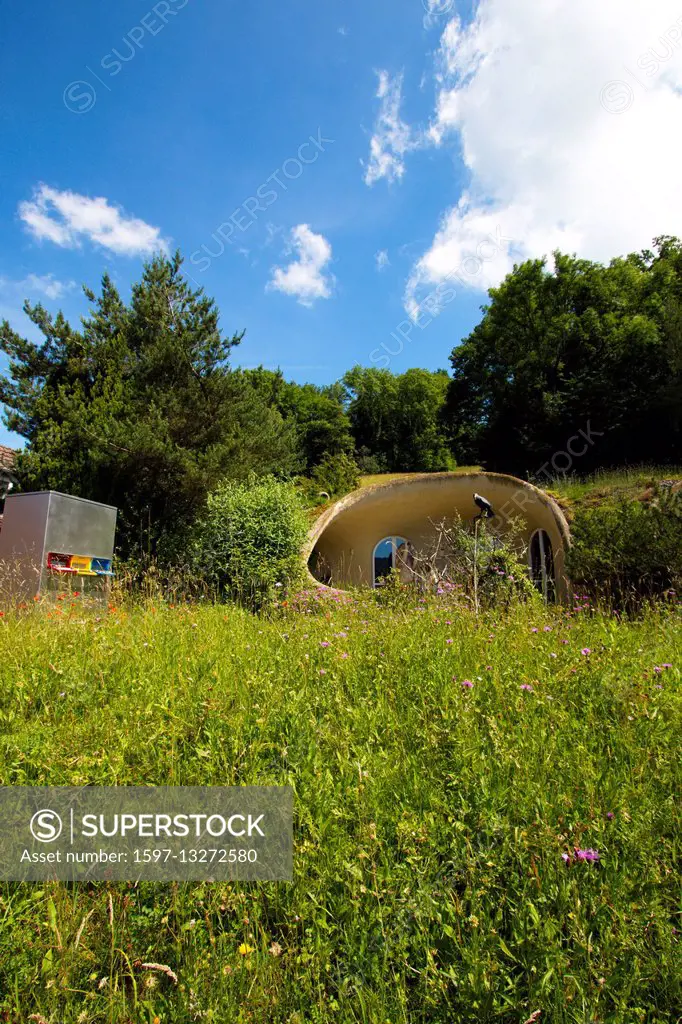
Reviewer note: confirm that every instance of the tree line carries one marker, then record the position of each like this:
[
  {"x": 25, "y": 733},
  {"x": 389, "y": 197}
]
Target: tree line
[{"x": 141, "y": 408}]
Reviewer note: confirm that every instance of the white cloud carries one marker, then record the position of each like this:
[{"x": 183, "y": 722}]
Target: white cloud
[
  {"x": 65, "y": 218},
  {"x": 32, "y": 285},
  {"x": 381, "y": 259},
  {"x": 304, "y": 277},
  {"x": 565, "y": 117},
  {"x": 392, "y": 138}
]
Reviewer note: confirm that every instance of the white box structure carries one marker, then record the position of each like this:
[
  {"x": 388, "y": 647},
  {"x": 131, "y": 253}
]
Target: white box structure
[{"x": 48, "y": 538}]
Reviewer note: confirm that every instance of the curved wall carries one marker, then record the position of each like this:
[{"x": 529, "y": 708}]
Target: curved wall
[{"x": 344, "y": 537}]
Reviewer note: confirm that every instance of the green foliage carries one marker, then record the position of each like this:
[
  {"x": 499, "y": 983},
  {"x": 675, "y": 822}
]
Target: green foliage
[
  {"x": 139, "y": 408},
  {"x": 317, "y": 414},
  {"x": 336, "y": 475},
  {"x": 430, "y": 817},
  {"x": 475, "y": 565},
  {"x": 625, "y": 550},
  {"x": 397, "y": 419},
  {"x": 584, "y": 347},
  {"x": 247, "y": 546}
]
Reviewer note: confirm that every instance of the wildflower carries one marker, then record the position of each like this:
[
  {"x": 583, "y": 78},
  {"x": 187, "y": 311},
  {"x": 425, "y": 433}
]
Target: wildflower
[
  {"x": 657, "y": 668},
  {"x": 245, "y": 949},
  {"x": 666, "y": 664},
  {"x": 586, "y": 651},
  {"x": 275, "y": 949},
  {"x": 610, "y": 815},
  {"x": 547, "y": 629},
  {"x": 552, "y": 654},
  {"x": 535, "y": 629},
  {"x": 448, "y": 641},
  {"x": 527, "y": 686},
  {"x": 468, "y": 684},
  {"x": 323, "y": 671},
  {"x": 564, "y": 641},
  {"x": 324, "y": 643},
  {"x": 565, "y": 858},
  {"x": 588, "y": 855},
  {"x": 488, "y": 668}
]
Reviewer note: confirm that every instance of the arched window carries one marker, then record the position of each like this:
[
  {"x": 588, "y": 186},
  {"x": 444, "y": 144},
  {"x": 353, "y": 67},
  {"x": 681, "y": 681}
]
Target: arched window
[
  {"x": 542, "y": 564},
  {"x": 391, "y": 553}
]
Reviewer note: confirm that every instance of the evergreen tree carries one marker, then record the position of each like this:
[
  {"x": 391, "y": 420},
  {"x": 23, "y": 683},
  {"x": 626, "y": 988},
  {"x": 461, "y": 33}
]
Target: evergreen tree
[{"x": 139, "y": 408}]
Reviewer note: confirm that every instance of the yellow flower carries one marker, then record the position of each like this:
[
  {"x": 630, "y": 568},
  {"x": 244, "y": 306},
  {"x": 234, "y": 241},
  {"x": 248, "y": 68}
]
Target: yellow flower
[{"x": 245, "y": 949}]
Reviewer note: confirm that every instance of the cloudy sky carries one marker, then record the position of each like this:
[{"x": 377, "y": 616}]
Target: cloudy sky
[{"x": 347, "y": 178}]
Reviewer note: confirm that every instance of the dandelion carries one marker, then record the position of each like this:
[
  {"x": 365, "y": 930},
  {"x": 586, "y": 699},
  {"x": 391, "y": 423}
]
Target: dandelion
[{"x": 245, "y": 949}]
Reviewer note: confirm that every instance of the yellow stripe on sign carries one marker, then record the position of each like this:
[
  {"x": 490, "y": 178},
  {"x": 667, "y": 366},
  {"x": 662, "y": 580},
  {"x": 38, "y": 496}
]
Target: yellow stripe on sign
[{"x": 82, "y": 564}]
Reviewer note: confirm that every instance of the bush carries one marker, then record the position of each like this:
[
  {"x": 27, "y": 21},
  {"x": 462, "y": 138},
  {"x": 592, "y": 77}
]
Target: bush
[
  {"x": 628, "y": 550},
  {"x": 477, "y": 568},
  {"x": 335, "y": 475},
  {"x": 248, "y": 544}
]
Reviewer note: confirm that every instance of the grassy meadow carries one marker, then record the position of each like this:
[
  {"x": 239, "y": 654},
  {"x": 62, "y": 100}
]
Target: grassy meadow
[{"x": 446, "y": 768}]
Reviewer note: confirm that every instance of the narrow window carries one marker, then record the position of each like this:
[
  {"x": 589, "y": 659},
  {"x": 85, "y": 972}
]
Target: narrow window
[
  {"x": 542, "y": 564},
  {"x": 391, "y": 553}
]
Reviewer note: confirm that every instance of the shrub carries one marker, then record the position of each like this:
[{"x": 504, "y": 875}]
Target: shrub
[
  {"x": 476, "y": 567},
  {"x": 624, "y": 551},
  {"x": 248, "y": 543},
  {"x": 336, "y": 475}
]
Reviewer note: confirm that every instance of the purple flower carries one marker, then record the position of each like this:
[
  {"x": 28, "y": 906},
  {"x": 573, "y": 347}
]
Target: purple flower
[
  {"x": 488, "y": 668},
  {"x": 564, "y": 641},
  {"x": 527, "y": 686},
  {"x": 535, "y": 629},
  {"x": 565, "y": 858},
  {"x": 657, "y": 668},
  {"x": 468, "y": 684},
  {"x": 586, "y": 651},
  {"x": 547, "y": 629},
  {"x": 324, "y": 643},
  {"x": 588, "y": 855},
  {"x": 610, "y": 815},
  {"x": 323, "y": 671},
  {"x": 666, "y": 664},
  {"x": 448, "y": 641}
]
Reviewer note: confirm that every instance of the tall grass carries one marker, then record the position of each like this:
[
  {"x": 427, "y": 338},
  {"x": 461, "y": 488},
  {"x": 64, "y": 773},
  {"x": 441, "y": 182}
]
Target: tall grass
[
  {"x": 607, "y": 481},
  {"x": 431, "y": 815}
]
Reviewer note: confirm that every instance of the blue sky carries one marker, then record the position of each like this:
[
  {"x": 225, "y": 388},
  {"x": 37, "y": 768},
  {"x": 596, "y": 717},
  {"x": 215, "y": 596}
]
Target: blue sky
[{"x": 448, "y": 141}]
